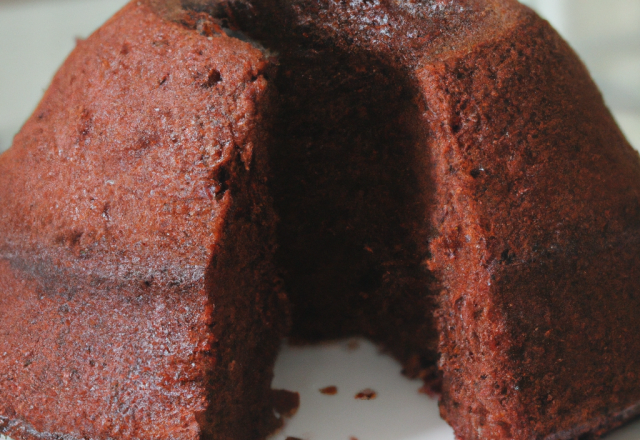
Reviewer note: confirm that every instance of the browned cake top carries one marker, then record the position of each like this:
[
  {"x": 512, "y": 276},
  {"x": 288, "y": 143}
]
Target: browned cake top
[
  {"x": 120, "y": 167},
  {"x": 411, "y": 30}
]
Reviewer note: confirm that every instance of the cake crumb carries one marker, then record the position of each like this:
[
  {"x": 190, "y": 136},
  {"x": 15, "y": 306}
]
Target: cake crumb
[
  {"x": 293, "y": 438},
  {"x": 353, "y": 438},
  {"x": 330, "y": 390},
  {"x": 367, "y": 394},
  {"x": 353, "y": 344},
  {"x": 285, "y": 402},
  {"x": 430, "y": 391}
]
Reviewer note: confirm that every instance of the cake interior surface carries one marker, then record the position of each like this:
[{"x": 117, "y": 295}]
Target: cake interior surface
[
  {"x": 350, "y": 162},
  {"x": 349, "y": 166}
]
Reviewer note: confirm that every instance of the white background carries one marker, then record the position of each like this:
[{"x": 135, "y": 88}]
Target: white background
[{"x": 35, "y": 38}]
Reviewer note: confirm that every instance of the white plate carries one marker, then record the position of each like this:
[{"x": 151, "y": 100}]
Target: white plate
[
  {"x": 398, "y": 413},
  {"x": 35, "y": 37}
]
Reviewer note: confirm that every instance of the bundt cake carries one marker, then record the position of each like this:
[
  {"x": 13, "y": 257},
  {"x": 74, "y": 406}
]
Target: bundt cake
[
  {"x": 447, "y": 182},
  {"x": 138, "y": 295}
]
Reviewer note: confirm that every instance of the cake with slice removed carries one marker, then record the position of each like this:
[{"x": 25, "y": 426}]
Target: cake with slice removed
[{"x": 449, "y": 184}]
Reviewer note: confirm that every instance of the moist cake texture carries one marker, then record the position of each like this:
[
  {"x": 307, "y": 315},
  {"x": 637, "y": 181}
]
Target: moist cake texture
[
  {"x": 447, "y": 180},
  {"x": 138, "y": 295}
]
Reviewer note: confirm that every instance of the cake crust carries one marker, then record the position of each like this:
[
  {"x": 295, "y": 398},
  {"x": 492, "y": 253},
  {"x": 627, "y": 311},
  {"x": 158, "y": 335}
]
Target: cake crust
[{"x": 137, "y": 291}]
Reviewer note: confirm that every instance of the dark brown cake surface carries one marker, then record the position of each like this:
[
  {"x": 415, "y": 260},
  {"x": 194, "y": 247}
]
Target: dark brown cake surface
[
  {"x": 538, "y": 243},
  {"x": 137, "y": 295},
  {"x": 449, "y": 184}
]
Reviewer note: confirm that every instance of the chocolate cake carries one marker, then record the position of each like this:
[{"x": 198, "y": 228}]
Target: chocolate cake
[
  {"x": 138, "y": 293},
  {"x": 448, "y": 182}
]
